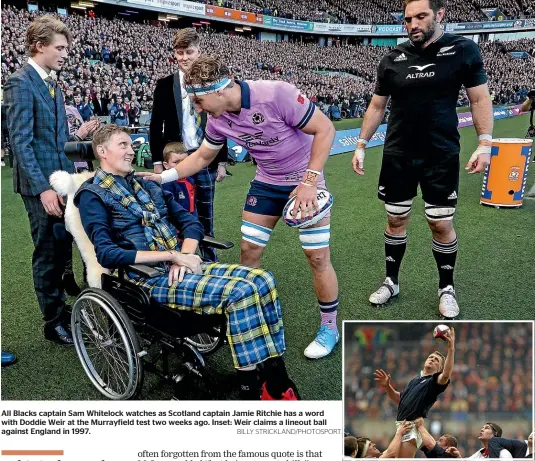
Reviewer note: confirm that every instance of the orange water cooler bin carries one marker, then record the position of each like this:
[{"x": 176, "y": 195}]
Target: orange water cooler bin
[{"x": 504, "y": 182}]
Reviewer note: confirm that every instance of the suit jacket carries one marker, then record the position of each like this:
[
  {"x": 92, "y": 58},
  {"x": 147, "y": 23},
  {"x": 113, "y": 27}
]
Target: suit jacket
[
  {"x": 38, "y": 131},
  {"x": 166, "y": 121},
  {"x": 101, "y": 106}
]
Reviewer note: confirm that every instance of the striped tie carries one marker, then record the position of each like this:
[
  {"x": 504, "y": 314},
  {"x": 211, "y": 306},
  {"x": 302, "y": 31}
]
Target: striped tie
[
  {"x": 51, "y": 83},
  {"x": 199, "y": 133}
]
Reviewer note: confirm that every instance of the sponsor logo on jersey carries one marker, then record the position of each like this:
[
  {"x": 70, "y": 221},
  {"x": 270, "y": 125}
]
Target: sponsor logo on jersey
[
  {"x": 229, "y": 122},
  {"x": 251, "y": 137},
  {"x": 301, "y": 99},
  {"x": 421, "y": 74},
  {"x": 255, "y": 139},
  {"x": 400, "y": 58},
  {"x": 421, "y": 68}
]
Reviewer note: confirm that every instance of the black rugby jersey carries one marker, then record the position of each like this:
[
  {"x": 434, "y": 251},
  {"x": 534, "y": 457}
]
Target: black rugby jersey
[
  {"x": 424, "y": 84},
  {"x": 419, "y": 396}
]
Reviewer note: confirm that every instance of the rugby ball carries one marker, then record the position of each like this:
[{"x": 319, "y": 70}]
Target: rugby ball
[
  {"x": 325, "y": 202},
  {"x": 440, "y": 332}
]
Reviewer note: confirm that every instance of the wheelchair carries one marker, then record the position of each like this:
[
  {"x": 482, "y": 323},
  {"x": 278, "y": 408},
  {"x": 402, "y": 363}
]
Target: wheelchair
[
  {"x": 114, "y": 327},
  {"x": 119, "y": 332}
]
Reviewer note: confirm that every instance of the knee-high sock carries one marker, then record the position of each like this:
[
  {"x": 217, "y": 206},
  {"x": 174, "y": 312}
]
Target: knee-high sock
[
  {"x": 395, "y": 246},
  {"x": 445, "y": 255}
]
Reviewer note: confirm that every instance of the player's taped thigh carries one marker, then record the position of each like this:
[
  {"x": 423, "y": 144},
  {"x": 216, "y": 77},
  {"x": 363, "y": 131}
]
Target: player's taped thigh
[
  {"x": 255, "y": 233},
  {"x": 314, "y": 238},
  {"x": 398, "y": 209},
  {"x": 439, "y": 213}
]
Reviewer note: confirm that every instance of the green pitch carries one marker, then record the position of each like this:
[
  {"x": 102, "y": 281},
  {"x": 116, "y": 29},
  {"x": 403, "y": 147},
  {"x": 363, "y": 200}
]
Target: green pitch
[{"x": 494, "y": 277}]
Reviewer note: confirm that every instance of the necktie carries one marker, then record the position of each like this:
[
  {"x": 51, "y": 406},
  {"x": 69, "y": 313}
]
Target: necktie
[
  {"x": 51, "y": 83},
  {"x": 199, "y": 133}
]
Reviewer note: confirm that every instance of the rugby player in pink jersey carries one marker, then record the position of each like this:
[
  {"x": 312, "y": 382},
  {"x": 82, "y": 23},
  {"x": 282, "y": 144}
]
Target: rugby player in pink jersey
[{"x": 290, "y": 142}]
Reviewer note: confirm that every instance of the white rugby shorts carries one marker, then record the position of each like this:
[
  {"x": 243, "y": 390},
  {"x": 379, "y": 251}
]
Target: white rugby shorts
[{"x": 413, "y": 434}]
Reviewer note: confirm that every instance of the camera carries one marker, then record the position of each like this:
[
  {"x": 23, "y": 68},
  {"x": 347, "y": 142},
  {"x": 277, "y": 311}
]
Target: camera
[{"x": 81, "y": 151}]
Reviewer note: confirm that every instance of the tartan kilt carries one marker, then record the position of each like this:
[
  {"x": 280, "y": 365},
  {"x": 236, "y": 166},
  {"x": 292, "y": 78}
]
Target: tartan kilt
[{"x": 248, "y": 298}]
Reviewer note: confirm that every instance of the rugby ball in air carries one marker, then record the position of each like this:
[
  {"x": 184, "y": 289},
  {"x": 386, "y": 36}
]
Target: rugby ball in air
[
  {"x": 440, "y": 332},
  {"x": 325, "y": 202}
]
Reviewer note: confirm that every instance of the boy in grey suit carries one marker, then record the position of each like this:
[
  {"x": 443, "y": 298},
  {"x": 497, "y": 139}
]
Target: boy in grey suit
[{"x": 38, "y": 131}]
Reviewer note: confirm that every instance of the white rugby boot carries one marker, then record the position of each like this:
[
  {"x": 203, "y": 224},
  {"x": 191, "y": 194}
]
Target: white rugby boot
[
  {"x": 385, "y": 292},
  {"x": 447, "y": 304}
]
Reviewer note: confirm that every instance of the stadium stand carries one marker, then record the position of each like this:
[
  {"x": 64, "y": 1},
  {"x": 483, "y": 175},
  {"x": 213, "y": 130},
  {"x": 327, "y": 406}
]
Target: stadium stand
[
  {"x": 122, "y": 58},
  {"x": 491, "y": 381},
  {"x": 375, "y": 11}
]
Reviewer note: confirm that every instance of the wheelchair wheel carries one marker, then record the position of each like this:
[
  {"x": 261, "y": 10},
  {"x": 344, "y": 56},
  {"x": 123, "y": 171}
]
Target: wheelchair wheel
[
  {"x": 206, "y": 343},
  {"x": 107, "y": 345}
]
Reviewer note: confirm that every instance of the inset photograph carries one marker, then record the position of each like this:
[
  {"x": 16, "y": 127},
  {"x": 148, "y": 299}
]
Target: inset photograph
[{"x": 431, "y": 390}]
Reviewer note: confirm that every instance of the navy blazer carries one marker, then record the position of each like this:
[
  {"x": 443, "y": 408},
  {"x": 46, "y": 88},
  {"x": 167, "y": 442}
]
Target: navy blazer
[{"x": 38, "y": 131}]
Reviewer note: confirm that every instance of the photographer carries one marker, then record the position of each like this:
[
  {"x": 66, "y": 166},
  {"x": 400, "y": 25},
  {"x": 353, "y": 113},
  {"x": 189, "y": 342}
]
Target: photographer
[{"x": 529, "y": 103}]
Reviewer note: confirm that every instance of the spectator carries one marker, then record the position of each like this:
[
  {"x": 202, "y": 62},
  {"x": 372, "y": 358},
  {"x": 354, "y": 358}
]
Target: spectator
[
  {"x": 183, "y": 190},
  {"x": 118, "y": 112},
  {"x": 134, "y": 59}
]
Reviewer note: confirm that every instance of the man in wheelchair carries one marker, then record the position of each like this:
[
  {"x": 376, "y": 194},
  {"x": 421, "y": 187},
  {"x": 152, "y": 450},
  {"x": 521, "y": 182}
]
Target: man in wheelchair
[{"x": 133, "y": 221}]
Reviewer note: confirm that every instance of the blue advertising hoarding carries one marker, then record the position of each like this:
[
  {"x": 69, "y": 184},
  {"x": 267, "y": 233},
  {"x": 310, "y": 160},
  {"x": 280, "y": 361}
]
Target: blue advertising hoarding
[
  {"x": 346, "y": 140},
  {"x": 451, "y": 27},
  {"x": 388, "y": 29},
  {"x": 292, "y": 24}
]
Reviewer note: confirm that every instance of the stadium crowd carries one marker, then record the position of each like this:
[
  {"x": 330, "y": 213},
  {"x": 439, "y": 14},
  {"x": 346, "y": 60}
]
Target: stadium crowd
[
  {"x": 375, "y": 12},
  {"x": 490, "y": 378},
  {"x": 116, "y": 64}
]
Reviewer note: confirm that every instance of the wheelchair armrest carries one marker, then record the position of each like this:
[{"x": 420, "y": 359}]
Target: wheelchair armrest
[
  {"x": 214, "y": 243},
  {"x": 142, "y": 270}
]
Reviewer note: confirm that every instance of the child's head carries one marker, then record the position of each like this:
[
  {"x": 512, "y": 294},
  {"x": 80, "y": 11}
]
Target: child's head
[{"x": 173, "y": 154}]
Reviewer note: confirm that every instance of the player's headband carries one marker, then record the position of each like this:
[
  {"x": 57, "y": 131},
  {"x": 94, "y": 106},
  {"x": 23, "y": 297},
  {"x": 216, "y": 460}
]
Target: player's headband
[
  {"x": 200, "y": 89},
  {"x": 362, "y": 454}
]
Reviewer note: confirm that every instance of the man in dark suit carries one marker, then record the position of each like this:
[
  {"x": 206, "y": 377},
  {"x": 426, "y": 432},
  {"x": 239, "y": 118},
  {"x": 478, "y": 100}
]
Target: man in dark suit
[
  {"x": 38, "y": 131},
  {"x": 100, "y": 103},
  {"x": 179, "y": 121}
]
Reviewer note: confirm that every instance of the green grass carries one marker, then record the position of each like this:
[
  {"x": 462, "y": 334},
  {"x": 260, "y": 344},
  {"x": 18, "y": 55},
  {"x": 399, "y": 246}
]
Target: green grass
[{"x": 494, "y": 277}]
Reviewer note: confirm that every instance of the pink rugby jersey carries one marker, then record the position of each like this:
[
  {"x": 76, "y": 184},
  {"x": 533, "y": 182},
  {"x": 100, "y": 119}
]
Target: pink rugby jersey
[{"x": 269, "y": 127}]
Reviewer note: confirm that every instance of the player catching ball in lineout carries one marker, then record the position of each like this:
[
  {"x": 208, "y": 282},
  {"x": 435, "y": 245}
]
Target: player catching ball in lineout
[{"x": 421, "y": 393}]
